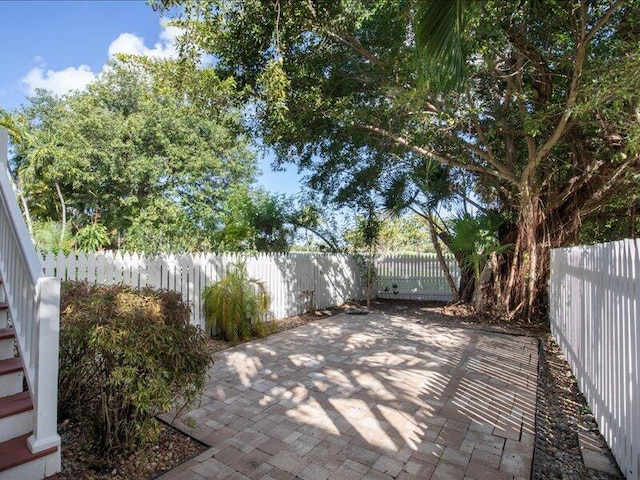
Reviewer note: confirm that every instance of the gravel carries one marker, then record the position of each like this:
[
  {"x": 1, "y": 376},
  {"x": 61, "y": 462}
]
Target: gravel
[
  {"x": 561, "y": 412},
  {"x": 80, "y": 461}
]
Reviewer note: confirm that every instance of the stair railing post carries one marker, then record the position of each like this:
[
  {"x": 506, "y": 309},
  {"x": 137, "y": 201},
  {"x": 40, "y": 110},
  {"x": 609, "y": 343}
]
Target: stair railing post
[{"x": 47, "y": 339}]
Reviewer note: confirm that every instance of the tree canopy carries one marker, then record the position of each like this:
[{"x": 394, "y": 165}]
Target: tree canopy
[
  {"x": 149, "y": 161},
  {"x": 545, "y": 121}
]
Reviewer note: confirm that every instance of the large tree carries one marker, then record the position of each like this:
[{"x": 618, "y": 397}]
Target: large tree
[
  {"x": 546, "y": 121},
  {"x": 140, "y": 151}
]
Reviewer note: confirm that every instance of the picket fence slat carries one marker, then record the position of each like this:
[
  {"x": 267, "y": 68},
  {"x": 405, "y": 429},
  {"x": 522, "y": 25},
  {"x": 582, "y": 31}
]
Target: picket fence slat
[{"x": 594, "y": 312}]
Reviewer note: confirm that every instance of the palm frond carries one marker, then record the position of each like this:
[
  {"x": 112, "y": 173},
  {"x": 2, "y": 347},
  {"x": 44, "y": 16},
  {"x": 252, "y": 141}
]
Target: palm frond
[{"x": 440, "y": 29}]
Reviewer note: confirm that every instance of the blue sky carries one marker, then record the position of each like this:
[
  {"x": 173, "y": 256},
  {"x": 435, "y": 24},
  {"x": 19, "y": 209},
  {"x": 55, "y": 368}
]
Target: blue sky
[{"x": 63, "y": 45}]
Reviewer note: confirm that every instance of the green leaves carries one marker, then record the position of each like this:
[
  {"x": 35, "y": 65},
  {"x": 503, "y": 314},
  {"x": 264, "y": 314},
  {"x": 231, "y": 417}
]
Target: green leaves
[
  {"x": 125, "y": 357},
  {"x": 274, "y": 85},
  {"x": 147, "y": 141},
  {"x": 237, "y": 304},
  {"x": 91, "y": 238},
  {"x": 440, "y": 38},
  {"x": 475, "y": 238}
]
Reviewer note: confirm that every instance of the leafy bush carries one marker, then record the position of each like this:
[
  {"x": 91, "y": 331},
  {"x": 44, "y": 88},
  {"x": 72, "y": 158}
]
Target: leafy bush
[
  {"x": 91, "y": 238},
  {"x": 126, "y": 356},
  {"x": 238, "y": 304}
]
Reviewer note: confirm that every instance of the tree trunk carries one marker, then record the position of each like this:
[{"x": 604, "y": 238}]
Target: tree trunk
[
  {"x": 441, "y": 260},
  {"x": 64, "y": 213},
  {"x": 467, "y": 284},
  {"x": 526, "y": 268}
]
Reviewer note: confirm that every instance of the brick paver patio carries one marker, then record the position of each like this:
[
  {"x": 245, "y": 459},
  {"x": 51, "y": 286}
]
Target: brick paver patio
[{"x": 373, "y": 397}]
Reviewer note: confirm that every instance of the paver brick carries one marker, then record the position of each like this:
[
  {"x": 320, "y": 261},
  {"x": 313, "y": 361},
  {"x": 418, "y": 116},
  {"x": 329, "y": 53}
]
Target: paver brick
[
  {"x": 456, "y": 457},
  {"x": 418, "y": 468},
  {"x": 213, "y": 468},
  {"x": 480, "y": 471},
  {"x": 330, "y": 400},
  {"x": 313, "y": 471},
  {"x": 448, "y": 471},
  {"x": 388, "y": 465},
  {"x": 486, "y": 458},
  {"x": 251, "y": 462},
  {"x": 288, "y": 462}
]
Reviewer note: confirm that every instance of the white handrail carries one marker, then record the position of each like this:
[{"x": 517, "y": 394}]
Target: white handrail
[{"x": 34, "y": 306}]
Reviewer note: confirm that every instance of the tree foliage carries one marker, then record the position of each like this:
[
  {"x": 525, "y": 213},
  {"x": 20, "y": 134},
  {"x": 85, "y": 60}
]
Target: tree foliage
[
  {"x": 143, "y": 152},
  {"x": 546, "y": 124}
]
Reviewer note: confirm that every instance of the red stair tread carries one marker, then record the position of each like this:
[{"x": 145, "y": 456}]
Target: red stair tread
[
  {"x": 14, "y": 404},
  {"x": 10, "y": 365},
  {"x": 7, "y": 333},
  {"x": 4, "y": 306},
  {"x": 15, "y": 452}
]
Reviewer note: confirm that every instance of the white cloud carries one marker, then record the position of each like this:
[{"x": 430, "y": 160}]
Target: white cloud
[
  {"x": 58, "y": 82},
  {"x": 134, "y": 45},
  {"x": 77, "y": 78}
]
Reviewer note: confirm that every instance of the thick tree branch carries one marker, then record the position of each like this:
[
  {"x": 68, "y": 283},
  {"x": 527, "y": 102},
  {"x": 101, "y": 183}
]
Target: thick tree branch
[
  {"x": 440, "y": 158},
  {"x": 522, "y": 109},
  {"x": 481, "y": 135},
  {"x": 356, "y": 46},
  {"x": 561, "y": 126},
  {"x": 603, "y": 20},
  {"x": 575, "y": 183}
]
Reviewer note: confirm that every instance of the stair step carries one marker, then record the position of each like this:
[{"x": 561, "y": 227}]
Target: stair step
[
  {"x": 7, "y": 336},
  {"x": 10, "y": 365},
  {"x": 11, "y": 376},
  {"x": 6, "y": 333},
  {"x": 16, "y": 415},
  {"x": 15, "y": 452},
  {"x": 14, "y": 404}
]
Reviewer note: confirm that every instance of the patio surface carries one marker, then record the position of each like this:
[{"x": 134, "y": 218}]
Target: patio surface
[{"x": 367, "y": 396}]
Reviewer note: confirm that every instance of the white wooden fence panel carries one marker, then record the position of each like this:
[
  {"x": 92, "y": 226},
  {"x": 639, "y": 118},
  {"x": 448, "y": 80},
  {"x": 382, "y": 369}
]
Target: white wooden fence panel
[
  {"x": 594, "y": 302},
  {"x": 415, "y": 277},
  {"x": 292, "y": 279},
  {"x": 297, "y": 282}
]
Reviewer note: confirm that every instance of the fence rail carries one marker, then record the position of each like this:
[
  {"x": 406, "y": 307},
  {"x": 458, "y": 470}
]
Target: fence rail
[{"x": 594, "y": 298}]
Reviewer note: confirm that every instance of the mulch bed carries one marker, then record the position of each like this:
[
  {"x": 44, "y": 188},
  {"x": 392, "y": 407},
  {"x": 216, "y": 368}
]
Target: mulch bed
[{"x": 561, "y": 409}]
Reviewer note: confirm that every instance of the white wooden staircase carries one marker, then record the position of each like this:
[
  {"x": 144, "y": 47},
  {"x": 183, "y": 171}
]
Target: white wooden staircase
[{"x": 29, "y": 327}]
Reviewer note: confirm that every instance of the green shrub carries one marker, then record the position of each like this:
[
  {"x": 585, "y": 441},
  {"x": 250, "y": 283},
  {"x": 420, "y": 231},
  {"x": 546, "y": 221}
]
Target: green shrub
[
  {"x": 91, "y": 238},
  {"x": 238, "y": 304},
  {"x": 126, "y": 356}
]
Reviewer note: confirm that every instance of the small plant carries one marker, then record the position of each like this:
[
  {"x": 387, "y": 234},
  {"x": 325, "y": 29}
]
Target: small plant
[
  {"x": 125, "y": 357},
  {"x": 238, "y": 304},
  {"x": 91, "y": 238},
  {"x": 51, "y": 237}
]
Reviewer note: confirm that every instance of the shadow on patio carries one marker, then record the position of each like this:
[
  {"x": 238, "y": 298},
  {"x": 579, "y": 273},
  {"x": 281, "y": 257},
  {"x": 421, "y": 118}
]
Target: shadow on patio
[{"x": 367, "y": 397}]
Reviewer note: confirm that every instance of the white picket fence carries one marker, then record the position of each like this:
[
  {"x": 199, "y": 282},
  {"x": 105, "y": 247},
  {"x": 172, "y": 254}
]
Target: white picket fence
[
  {"x": 415, "y": 277},
  {"x": 296, "y": 281},
  {"x": 594, "y": 301}
]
